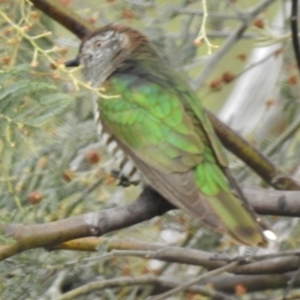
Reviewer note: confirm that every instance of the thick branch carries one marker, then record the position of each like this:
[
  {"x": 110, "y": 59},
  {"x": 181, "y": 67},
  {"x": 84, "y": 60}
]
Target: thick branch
[
  {"x": 249, "y": 283},
  {"x": 253, "y": 283},
  {"x": 252, "y": 157},
  {"x": 163, "y": 282},
  {"x": 256, "y": 265},
  {"x": 270, "y": 202},
  {"x": 66, "y": 17},
  {"x": 148, "y": 205},
  {"x": 221, "y": 284}
]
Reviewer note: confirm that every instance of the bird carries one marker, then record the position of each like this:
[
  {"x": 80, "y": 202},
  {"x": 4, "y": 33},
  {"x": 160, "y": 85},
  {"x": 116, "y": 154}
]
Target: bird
[{"x": 155, "y": 127}]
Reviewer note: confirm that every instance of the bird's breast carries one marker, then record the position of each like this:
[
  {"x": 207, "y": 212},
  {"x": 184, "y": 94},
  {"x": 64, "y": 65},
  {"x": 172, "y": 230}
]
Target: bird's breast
[{"x": 127, "y": 170}]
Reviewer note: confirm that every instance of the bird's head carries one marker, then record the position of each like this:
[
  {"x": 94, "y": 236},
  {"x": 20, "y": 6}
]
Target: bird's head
[{"x": 107, "y": 49}]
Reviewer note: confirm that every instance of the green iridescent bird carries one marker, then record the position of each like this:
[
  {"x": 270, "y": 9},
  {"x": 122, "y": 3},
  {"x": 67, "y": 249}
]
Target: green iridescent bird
[{"x": 156, "y": 125}]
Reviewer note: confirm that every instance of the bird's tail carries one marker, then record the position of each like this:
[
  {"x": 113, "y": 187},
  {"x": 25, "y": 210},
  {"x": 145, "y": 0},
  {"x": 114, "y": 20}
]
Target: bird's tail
[
  {"x": 235, "y": 215},
  {"x": 204, "y": 192}
]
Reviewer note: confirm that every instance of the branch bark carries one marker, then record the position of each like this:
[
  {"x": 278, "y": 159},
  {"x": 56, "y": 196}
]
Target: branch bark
[
  {"x": 253, "y": 283},
  {"x": 66, "y": 17},
  {"x": 163, "y": 282},
  {"x": 148, "y": 205},
  {"x": 252, "y": 157},
  {"x": 249, "y": 283},
  {"x": 256, "y": 265},
  {"x": 218, "y": 288}
]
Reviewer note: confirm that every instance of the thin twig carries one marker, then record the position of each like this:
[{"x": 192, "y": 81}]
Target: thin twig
[
  {"x": 141, "y": 280},
  {"x": 182, "y": 287},
  {"x": 236, "y": 35},
  {"x": 202, "y": 34},
  {"x": 275, "y": 263},
  {"x": 291, "y": 284},
  {"x": 83, "y": 195},
  {"x": 212, "y": 14},
  {"x": 282, "y": 138}
]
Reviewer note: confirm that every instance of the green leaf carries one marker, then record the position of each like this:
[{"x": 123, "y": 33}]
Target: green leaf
[
  {"x": 45, "y": 108},
  {"x": 4, "y": 75}
]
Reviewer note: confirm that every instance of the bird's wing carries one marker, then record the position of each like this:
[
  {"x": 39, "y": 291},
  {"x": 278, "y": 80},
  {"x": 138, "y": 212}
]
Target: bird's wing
[
  {"x": 156, "y": 129},
  {"x": 180, "y": 189},
  {"x": 156, "y": 132},
  {"x": 154, "y": 124}
]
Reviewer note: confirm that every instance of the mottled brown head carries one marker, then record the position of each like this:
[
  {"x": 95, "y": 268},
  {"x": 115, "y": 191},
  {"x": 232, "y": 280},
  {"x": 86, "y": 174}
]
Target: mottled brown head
[{"x": 105, "y": 50}]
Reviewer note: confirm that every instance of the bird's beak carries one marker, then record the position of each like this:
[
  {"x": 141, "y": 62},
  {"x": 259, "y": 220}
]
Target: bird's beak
[{"x": 75, "y": 62}]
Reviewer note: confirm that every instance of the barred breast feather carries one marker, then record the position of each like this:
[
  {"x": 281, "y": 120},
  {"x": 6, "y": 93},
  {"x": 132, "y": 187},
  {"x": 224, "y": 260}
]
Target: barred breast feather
[{"x": 127, "y": 172}]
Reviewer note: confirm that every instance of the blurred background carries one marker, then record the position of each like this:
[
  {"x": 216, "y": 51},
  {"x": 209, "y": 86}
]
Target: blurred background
[{"x": 53, "y": 167}]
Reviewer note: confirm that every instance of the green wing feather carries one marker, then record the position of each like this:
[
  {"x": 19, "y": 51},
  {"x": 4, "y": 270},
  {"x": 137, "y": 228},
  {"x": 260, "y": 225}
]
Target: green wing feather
[
  {"x": 165, "y": 131},
  {"x": 154, "y": 125}
]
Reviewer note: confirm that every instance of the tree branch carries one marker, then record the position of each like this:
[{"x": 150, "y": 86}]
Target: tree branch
[
  {"x": 252, "y": 157},
  {"x": 166, "y": 283},
  {"x": 228, "y": 267},
  {"x": 66, "y": 17},
  {"x": 255, "y": 265},
  {"x": 252, "y": 283},
  {"x": 148, "y": 205},
  {"x": 218, "y": 285}
]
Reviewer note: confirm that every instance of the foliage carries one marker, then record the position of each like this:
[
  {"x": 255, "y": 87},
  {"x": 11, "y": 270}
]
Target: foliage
[{"x": 52, "y": 165}]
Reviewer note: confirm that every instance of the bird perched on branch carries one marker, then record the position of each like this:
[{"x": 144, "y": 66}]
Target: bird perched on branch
[{"x": 155, "y": 126}]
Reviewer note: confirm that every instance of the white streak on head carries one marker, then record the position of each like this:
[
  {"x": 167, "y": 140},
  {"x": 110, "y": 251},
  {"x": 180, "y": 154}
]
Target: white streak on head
[{"x": 101, "y": 55}]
